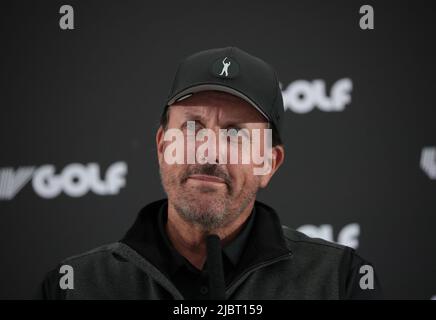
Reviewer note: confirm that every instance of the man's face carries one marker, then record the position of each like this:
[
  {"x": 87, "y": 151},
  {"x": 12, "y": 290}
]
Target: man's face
[{"x": 212, "y": 195}]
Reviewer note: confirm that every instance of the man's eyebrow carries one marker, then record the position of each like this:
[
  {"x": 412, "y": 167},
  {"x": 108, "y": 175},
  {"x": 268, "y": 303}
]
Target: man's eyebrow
[
  {"x": 236, "y": 124},
  {"x": 193, "y": 114},
  {"x": 240, "y": 124}
]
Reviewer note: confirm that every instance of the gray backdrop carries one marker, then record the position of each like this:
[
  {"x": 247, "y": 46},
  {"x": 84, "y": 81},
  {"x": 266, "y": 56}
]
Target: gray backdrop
[{"x": 360, "y": 130}]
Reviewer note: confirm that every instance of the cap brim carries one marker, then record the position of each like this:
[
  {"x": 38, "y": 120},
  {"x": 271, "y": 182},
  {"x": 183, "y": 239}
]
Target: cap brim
[{"x": 216, "y": 87}]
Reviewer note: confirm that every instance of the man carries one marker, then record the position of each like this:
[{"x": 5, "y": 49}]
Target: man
[{"x": 211, "y": 239}]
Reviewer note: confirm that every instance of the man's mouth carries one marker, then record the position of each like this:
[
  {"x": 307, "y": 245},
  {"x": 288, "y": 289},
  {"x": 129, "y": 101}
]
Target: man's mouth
[{"x": 206, "y": 179}]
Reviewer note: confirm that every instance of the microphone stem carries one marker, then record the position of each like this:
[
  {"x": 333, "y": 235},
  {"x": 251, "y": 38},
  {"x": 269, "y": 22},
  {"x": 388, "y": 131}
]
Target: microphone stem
[{"x": 215, "y": 268}]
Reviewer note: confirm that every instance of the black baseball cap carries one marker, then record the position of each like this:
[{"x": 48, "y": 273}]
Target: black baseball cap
[{"x": 234, "y": 71}]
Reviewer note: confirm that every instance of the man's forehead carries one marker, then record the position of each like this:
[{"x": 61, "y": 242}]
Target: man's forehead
[{"x": 227, "y": 106}]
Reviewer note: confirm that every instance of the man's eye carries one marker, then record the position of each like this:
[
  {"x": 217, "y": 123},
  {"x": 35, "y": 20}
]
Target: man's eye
[
  {"x": 190, "y": 125},
  {"x": 233, "y": 131},
  {"x": 237, "y": 129},
  {"x": 242, "y": 133}
]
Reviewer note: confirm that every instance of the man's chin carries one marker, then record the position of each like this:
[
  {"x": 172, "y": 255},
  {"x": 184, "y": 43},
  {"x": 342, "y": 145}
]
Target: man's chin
[
  {"x": 204, "y": 197},
  {"x": 202, "y": 200},
  {"x": 204, "y": 212}
]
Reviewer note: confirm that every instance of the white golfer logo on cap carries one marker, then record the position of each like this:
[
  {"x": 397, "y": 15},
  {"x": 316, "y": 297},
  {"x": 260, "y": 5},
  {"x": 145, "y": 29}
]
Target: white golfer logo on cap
[{"x": 225, "y": 67}]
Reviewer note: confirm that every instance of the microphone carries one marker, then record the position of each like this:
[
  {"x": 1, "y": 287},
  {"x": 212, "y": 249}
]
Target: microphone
[{"x": 215, "y": 268}]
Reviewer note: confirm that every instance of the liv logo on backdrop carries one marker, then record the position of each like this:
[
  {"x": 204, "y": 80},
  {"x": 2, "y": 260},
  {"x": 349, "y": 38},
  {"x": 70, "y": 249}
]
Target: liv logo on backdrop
[{"x": 75, "y": 180}]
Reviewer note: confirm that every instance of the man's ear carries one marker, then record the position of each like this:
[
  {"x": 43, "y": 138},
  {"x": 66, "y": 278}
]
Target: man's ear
[
  {"x": 160, "y": 143},
  {"x": 278, "y": 156}
]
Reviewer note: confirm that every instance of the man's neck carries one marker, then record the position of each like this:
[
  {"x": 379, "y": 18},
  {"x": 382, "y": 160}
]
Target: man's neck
[{"x": 190, "y": 240}]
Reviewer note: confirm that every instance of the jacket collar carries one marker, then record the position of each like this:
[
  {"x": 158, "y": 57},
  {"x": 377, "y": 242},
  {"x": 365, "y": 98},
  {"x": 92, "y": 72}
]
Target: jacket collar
[
  {"x": 265, "y": 242},
  {"x": 233, "y": 250}
]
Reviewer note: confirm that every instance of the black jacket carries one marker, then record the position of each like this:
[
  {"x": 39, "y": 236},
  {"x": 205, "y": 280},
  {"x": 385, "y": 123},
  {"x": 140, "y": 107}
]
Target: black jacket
[{"x": 277, "y": 263}]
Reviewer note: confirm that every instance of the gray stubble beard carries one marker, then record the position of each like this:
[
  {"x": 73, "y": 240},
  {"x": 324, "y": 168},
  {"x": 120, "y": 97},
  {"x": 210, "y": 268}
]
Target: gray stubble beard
[{"x": 206, "y": 216}]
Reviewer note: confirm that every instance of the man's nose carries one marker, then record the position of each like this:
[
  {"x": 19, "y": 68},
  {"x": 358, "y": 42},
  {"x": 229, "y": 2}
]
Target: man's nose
[{"x": 212, "y": 149}]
